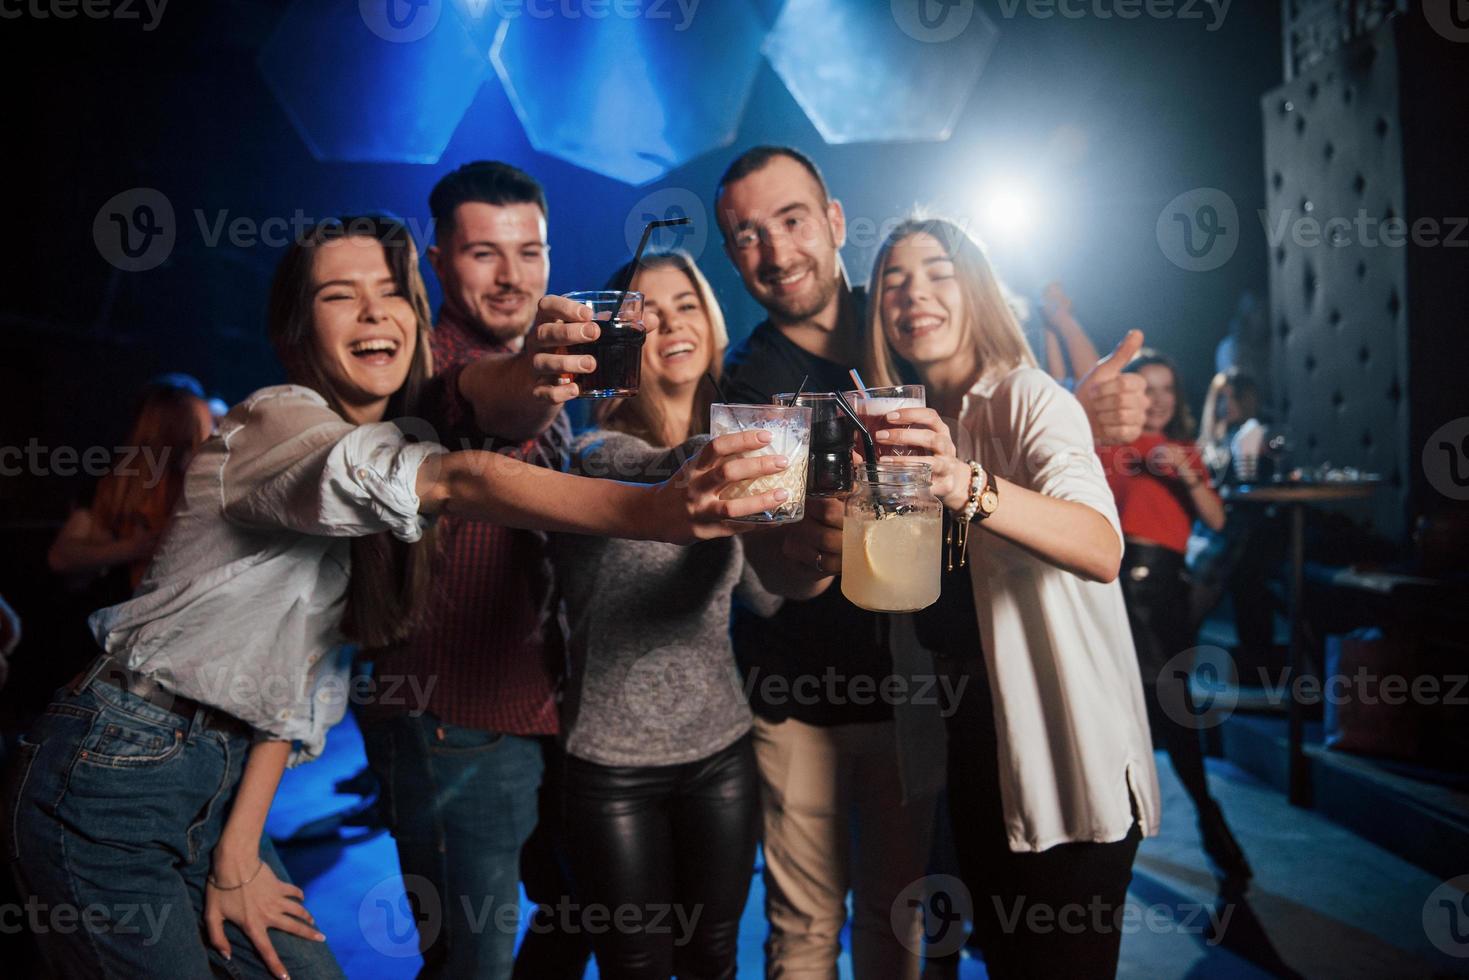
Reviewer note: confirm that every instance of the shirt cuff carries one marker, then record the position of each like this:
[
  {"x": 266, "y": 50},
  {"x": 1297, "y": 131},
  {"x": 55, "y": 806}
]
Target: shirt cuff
[{"x": 381, "y": 471}]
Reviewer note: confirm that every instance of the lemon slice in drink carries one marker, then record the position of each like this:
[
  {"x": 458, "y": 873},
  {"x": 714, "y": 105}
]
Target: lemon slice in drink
[{"x": 893, "y": 550}]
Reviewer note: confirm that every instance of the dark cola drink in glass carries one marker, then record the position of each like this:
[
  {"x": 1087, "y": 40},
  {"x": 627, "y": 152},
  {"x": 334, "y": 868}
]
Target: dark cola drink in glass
[
  {"x": 829, "y": 471},
  {"x": 618, "y": 351}
]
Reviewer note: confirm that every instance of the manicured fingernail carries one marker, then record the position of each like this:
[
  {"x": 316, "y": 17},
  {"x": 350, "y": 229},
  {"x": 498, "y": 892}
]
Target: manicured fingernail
[
  {"x": 320, "y": 937},
  {"x": 765, "y": 435},
  {"x": 892, "y": 416},
  {"x": 781, "y": 461},
  {"x": 781, "y": 495},
  {"x": 884, "y": 434}
]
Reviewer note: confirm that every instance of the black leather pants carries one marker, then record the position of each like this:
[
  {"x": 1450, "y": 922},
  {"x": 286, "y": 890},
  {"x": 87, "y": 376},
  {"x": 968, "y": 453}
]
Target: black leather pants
[
  {"x": 1157, "y": 592},
  {"x": 662, "y": 858}
]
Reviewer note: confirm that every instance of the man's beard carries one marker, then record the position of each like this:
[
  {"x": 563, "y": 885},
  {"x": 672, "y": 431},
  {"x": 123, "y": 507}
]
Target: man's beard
[
  {"x": 501, "y": 328},
  {"x": 793, "y": 309}
]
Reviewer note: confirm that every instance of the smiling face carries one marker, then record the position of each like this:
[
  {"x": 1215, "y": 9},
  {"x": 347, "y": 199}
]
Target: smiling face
[
  {"x": 677, "y": 356},
  {"x": 1162, "y": 396},
  {"x": 783, "y": 238},
  {"x": 921, "y": 304},
  {"x": 364, "y": 329},
  {"x": 493, "y": 266}
]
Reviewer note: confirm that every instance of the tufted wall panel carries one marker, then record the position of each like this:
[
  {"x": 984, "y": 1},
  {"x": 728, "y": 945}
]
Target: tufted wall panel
[{"x": 1368, "y": 323}]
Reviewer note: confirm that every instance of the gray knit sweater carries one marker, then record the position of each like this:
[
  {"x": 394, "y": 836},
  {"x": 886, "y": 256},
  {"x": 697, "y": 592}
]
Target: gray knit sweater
[{"x": 653, "y": 680}]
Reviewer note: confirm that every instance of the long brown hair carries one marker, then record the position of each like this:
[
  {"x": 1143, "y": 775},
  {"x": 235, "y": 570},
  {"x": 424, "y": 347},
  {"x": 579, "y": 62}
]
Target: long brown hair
[
  {"x": 390, "y": 579},
  {"x": 138, "y": 494},
  {"x": 989, "y": 320},
  {"x": 643, "y": 416},
  {"x": 1181, "y": 427}
]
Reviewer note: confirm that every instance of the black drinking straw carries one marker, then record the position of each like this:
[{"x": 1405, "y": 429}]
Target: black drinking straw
[
  {"x": 637, "y": 259},
  {"x": 799, "y": 388},
  {"x": 867, "y": 444}
]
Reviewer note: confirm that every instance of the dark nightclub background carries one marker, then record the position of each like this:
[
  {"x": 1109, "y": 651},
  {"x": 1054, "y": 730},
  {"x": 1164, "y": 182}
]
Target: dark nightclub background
[
  {"x": 162, "y": 155},
  {"x": 1083, "y": 128}
]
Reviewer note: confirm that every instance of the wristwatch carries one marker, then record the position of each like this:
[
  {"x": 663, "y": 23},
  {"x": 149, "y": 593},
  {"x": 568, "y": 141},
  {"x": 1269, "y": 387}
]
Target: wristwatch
[
  {"x": 984, "y": 493},
  {"x": 989, "y": 497}
]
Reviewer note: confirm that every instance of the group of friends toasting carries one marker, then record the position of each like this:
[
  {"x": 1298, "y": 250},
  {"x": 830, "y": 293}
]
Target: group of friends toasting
[{"x": 527, "y": 584}]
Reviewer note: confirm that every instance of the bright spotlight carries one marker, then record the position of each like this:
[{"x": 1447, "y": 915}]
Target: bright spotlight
[{"x": 1008, "y": 211}]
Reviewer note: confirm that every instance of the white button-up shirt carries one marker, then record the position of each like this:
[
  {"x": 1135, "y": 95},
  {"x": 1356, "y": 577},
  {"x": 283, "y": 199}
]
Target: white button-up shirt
[
  {"x": 242, "y": 605},
  {"x": 1075, "y": 750}
]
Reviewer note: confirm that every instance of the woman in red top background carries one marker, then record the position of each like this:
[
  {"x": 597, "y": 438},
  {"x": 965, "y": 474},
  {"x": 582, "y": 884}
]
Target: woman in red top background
[{"x": 1161, "y": 486}]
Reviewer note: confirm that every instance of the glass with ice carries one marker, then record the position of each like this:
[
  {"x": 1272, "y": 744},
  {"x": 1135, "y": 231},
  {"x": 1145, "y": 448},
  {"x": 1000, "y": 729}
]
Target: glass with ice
[
  {"x": 790, "y": 436},
  {"x": 872, "y": 407}
]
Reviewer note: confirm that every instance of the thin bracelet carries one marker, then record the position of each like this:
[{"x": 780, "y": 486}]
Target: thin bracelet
[{"x": 214, "y": 882}]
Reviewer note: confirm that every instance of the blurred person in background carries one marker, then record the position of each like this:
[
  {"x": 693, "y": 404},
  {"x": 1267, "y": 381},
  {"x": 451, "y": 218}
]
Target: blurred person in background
[
  {"x": 1161, "y": 487},
  {"x": 118, "y": 532}
]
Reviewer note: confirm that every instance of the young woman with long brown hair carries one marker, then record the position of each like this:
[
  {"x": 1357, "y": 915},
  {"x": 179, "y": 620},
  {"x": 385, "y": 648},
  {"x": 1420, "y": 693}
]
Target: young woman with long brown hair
[
  {"x": 1051, "y": 776},
  {"x": 660, "y": 789},
  {"x": 142, "y": 792}
]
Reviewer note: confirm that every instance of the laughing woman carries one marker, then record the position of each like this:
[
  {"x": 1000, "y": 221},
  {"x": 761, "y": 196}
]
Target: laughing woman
[
  {"x": 660, "y": 790},
  {"x": 140, "y": 797},
  {"x": 1051, "y": 776}
]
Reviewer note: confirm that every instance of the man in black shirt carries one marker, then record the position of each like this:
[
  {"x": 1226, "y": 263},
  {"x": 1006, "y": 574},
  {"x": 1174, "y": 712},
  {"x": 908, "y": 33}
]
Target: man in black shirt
[{"x": 837, "y": 812}]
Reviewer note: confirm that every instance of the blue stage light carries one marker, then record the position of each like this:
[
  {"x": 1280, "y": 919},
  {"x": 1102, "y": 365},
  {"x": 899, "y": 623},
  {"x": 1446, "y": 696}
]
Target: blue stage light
[
  {"x": 880, "y": 72},
  {"x": 380, "y": 81},
  {"x": 630, "y": 97}
]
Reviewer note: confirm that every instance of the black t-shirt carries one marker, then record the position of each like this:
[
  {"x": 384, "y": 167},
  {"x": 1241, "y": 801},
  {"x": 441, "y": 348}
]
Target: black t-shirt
[{"x": 801, "y": 662}]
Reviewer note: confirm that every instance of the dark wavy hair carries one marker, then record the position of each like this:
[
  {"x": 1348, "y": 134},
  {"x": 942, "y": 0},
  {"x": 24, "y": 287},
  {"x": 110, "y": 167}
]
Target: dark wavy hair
[
  {"x": 389, "y": 579},
  {"x": 1181, "y": 427}
]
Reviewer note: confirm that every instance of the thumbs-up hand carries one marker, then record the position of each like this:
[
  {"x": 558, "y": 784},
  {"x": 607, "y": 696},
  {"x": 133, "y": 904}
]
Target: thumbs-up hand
[{"x": 1115, "y": 403}]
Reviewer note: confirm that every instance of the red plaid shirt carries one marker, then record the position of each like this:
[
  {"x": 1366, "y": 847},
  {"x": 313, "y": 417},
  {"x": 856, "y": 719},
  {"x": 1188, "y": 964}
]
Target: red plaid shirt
[{"x": 490, "y": 637}]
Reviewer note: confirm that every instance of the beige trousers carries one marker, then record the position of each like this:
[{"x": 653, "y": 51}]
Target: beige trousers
[{"x": 835, "y": 820}]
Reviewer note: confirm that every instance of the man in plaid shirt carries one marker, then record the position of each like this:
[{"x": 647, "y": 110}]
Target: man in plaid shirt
[{"x": 461, "y": 773}]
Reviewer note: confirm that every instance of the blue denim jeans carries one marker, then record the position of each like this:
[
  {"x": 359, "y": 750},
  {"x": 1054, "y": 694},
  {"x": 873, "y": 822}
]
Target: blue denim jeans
[
  {"x": 113, "y": 807},
  {"x": 460, "y": 803}
]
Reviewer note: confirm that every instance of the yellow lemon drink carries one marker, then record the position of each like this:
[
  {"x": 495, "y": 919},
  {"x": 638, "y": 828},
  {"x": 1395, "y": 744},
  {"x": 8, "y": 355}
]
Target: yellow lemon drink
[{"x": 891, "y": 563}]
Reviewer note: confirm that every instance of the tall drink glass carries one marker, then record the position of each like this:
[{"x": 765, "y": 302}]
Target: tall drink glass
[
  {"x": 829, "y": 472},
  {"x": 872, "y": 407},
  {"x": 619, "y": 350},
  {"x": 790, "y": 431},
  {"x": 892, "y": 537}
]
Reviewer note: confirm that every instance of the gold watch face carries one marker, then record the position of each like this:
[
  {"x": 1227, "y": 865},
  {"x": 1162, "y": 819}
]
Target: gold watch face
[{"x": 989, "y": 501}]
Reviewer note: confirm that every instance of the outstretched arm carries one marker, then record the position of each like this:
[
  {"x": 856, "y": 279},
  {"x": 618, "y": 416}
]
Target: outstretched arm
[
  {"x": 1062, "y": 323},
  {"x": 683, "y": 509}
]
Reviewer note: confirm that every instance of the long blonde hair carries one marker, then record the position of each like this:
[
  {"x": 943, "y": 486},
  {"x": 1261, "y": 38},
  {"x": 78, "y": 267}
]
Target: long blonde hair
[
  {"x": 643, "y": 416},
  {"x": 989, "y": 321}
]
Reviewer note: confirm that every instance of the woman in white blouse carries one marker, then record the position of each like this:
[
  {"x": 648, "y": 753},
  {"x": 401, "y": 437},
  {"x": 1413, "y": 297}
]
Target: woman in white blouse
[
  {"x": 139, "y": 799},
  {"x": 1051, "y": 776}
]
